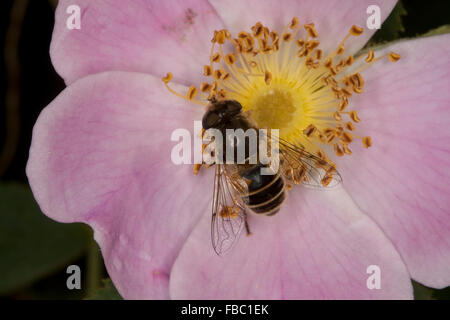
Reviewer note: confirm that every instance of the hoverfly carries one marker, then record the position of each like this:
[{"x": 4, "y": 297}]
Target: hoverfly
[{"x": 241, "y": 188}]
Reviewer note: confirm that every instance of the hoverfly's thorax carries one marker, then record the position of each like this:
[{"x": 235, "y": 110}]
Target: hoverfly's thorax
[{"x": 220, "y": 114}]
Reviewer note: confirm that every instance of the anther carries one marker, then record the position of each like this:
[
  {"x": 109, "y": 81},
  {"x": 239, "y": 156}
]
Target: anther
[
  {"x": 310, "y": 130},
  {"x": 230, "y": 58},
  {"x": 220, "y": 36},
  {"x": 267, "y": 77},
  {"x": 347, "y": 137},
  {"x": 367, "y": 142},
  {"x": 257, "y": 29},
  {"x": 218, "y": 74},
  {"x": 311, "y": 30},
  {"x": 168, "y": 78},
  {"x": 328, "y": 63},
  {"x": 191, "y": 92},
  {"x": 318, "y": 53},
  {"x": 347, "y": 149},
  {"x": 346, "y": 92},
  {"x": 357, "y": 80},
  {"x": 370, "y": 57},
  {"x": 294, "y": 23},
  {"x": 207, "y": 70},
  {"x": 205, "y": 87},
  {"x": 215, "y": 58},
  {"x": 338, "y": 150},
  {"x": 222, "y": 93},
  {"x": 326, "y": 180},
  {"x": 354, "y": 116},
  {"x": 303, "y": 52},
  {"x": 350, "y": 126},
  {"x": 273, "y": 36},
  {"x": 349, "y": 61},
  {"x": 287, "y": 36},
  {"x": 394, "y": 57},
  {"x": 311, "y": 45},
  {"x": 337, "y": 116},
  {"x": 356, "y": 31}
]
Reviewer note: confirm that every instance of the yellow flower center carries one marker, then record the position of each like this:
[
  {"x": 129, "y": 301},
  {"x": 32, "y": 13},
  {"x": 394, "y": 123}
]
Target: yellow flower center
[
  {"x": 284, "y": 81},
  {"x": 275, "y": 108}
]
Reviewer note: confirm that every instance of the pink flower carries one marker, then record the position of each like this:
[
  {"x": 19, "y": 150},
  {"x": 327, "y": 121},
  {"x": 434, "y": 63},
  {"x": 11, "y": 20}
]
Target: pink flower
[{"x": 101, "y": 155}]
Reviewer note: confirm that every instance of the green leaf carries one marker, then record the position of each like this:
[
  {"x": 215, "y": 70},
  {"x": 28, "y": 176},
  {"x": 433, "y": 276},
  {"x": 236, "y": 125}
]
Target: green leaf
[
  {"x": 31, "y": 245},
  {"x": 108, "y": 292},
  {"x": 392, "y": 27},
  {"x": 422, "y": 292},
  {"x": 442, "y": 294},
  {"x": 438, "y": 31}
]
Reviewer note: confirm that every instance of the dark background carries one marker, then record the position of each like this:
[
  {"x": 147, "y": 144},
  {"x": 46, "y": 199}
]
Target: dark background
[{"x": 28, "y": 83}]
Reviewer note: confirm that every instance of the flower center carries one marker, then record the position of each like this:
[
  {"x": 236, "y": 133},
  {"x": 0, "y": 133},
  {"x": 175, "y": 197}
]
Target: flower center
[
  {"x": 285, "y": 81},
  {"x": 274, "y": 108}
]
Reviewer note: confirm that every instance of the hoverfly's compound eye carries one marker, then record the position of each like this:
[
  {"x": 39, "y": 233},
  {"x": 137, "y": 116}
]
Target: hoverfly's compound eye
[
  {"x": 210, "y": 120},
  {"x": 233, "y": 107}
]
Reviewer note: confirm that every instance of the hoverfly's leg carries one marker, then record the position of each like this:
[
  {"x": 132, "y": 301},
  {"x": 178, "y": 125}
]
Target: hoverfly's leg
[
  {"x": 247, "y": 228},
  {"x": 198, "y": 166}
]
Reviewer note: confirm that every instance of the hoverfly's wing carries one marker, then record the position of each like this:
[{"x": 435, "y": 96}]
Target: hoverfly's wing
[
  {"x": 228, "y": 211},
  {"x": 300, "y": 166}
]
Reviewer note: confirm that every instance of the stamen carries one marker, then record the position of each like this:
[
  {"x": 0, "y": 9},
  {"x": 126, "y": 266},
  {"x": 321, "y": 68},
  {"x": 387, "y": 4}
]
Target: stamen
[
  {"x": 367, "y": 142},
  {"x": 311, "y": 30},
  {"x": 267, "y": 77},
  {"x": 287, "y": 36},
  {"x": 370, "y": 57},
  {"x": 338, "y": 150},
  {"x": 257, "y": 29},
  {"x": 284, "y": 80},
  {"x": 191, "y": 92},
  {"x": 354, "y": 116},
  {"x": 350, "y": 126},
  {"x": 294, "y": 23},
  {"x": 356, "y": 31},
  {"x": 230, "y": 58},
  {"x": 216, "y": 58},
  {"x": 394, "y": 57},
  {"x": 347, "y": 149},
  {"x": 310, "y": 130},
  {"x": 205, "y": 87},
  {"x": 207, "y": 71}
]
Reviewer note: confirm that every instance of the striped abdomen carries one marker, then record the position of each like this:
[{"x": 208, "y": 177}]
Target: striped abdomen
[{"x": 266, "y": 193}]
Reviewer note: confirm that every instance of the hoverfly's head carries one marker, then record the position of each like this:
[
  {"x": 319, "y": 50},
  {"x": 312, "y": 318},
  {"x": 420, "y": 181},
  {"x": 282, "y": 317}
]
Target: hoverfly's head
[{"x": 219, "y": 113}]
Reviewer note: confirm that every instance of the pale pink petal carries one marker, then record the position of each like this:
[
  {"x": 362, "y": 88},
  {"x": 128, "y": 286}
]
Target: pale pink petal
[
  {"x": 403, "y": 180},
  {"x": 150, "y": 36},
  {"x": 101, "y": 154},
  {"x": 332, "y": 18},
  {"x": 318, "y": 246}
]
